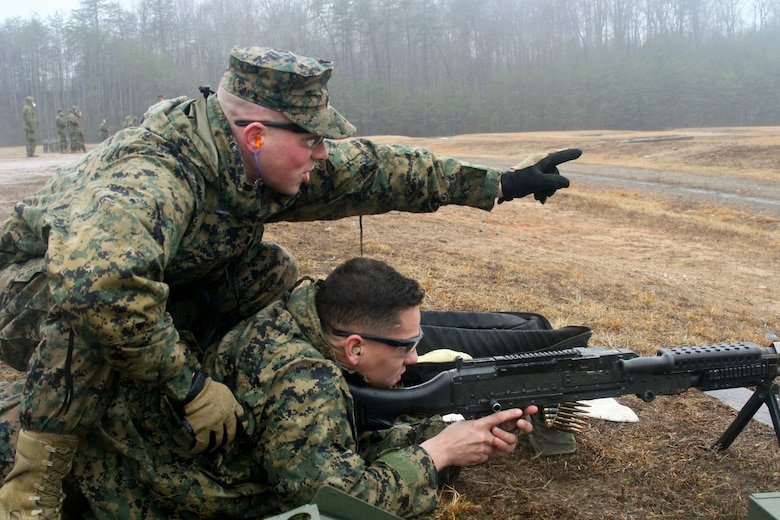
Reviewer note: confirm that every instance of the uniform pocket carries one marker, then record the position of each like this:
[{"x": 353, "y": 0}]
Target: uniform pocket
[{"x": 25, "y": 302}]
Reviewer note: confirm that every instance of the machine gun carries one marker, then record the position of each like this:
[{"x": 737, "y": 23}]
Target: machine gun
[{"x": 481, "y": 386}]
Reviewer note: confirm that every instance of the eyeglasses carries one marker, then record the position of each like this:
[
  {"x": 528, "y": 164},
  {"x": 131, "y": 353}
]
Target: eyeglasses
[
  {"x": 404, "y": 346},
  {"x": 310, "y": 143}
]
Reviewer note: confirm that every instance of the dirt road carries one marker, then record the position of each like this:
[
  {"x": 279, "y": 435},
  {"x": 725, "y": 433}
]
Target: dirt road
[
  {"x": 20, "y": 175},
  {"x": 758, "y": 196}
]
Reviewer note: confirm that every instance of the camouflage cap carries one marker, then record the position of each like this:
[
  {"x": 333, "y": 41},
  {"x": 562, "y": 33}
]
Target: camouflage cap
[{"x": 291, "y": 84}]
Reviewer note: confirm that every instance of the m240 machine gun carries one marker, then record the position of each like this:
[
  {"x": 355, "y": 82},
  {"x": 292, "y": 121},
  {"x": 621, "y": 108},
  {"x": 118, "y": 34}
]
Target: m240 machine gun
[{"x": 478, "y": 387}]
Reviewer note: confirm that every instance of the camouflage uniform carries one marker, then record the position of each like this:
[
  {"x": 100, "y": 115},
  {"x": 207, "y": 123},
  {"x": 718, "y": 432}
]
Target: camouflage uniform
[
  {"x": 301, "y": 436},
  {"x": 103, "y": 129},
  {"x": 75, "y": 130},
  {"x": 62, "y": 131},
  {"x": 155, "y": 233},
  {"x": 153, "y": 211},
  {"x": 30, "y": 123}
]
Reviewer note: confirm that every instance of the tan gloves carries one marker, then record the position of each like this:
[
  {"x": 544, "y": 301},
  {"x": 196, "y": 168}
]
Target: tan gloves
[{"x": 212, "y": 414}]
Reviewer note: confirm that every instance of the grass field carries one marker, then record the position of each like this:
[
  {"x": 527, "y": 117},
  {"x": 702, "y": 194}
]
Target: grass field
[{"x": 642, "y": 272}]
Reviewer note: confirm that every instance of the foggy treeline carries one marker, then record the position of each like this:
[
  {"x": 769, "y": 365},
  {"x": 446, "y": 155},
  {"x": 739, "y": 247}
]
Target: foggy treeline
[{"x": 415, "y": 67}]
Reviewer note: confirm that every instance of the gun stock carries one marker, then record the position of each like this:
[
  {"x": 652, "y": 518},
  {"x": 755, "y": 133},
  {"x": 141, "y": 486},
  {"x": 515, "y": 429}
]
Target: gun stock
[{"x": 478, "y": 387}]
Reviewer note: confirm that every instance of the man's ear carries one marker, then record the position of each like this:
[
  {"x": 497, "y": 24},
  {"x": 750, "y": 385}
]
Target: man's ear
[
  {"x": 253, "y": 136},
  {"x": 353, "y": 349}
]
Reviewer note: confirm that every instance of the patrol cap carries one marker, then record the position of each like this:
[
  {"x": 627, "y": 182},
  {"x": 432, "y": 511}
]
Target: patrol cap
[{"x": 291, "y": 84}]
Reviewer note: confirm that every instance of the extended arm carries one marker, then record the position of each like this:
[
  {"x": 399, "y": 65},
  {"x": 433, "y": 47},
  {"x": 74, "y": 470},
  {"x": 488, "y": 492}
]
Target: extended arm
[{"x": 362, "y": 177}]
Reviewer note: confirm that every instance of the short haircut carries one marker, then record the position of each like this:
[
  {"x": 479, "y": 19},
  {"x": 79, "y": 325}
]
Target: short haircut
[{"x": 366, "y": 295}]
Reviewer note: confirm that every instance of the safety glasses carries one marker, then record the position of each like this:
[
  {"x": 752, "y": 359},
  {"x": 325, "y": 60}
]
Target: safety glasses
[
  {"x": 405, "y": 346},
  {"x": 310, "y": 143}
]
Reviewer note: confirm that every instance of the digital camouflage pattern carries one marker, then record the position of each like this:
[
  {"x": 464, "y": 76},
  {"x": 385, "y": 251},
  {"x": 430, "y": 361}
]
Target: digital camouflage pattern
[
  {"x": 30, "y": 124},
  {"x": 301, "y": 436},
  {"x": 157, "y": 214},
  {"x": 62, "y": 130},
  {"x": 289, "y": 83},
  {"x": 75, "y": 130}
]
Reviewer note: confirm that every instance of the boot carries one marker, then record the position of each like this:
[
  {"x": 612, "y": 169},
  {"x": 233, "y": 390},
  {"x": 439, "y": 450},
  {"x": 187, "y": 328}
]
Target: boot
[{"x": 33, "y": 488}]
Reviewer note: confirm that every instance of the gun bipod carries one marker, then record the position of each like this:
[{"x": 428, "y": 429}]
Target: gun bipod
[{"x": 766, "y": 393}]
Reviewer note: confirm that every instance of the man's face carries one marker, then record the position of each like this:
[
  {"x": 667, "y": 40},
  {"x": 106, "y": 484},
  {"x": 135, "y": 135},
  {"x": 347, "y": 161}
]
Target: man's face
[
  {"x": 286, "y": 159},
  {"x": 382, "y": 364}
]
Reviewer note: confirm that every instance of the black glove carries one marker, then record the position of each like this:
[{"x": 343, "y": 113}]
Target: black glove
[{"x": 537, "y": 174}]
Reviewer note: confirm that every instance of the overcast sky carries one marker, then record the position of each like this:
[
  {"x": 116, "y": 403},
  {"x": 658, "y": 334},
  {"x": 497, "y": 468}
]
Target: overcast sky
[{"x": 45, "y": 8}]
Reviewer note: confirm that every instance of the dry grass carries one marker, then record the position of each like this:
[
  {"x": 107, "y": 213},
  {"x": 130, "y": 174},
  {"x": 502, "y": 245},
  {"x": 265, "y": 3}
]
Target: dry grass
[
  {"x": 642, "y": 272},
  {"x": 656, "y": 469},
  {"x": 743, "y": 152}
]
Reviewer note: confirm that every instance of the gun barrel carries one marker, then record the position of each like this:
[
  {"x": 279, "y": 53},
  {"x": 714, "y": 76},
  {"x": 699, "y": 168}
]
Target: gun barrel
[{"x": 697, "y": 358}]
